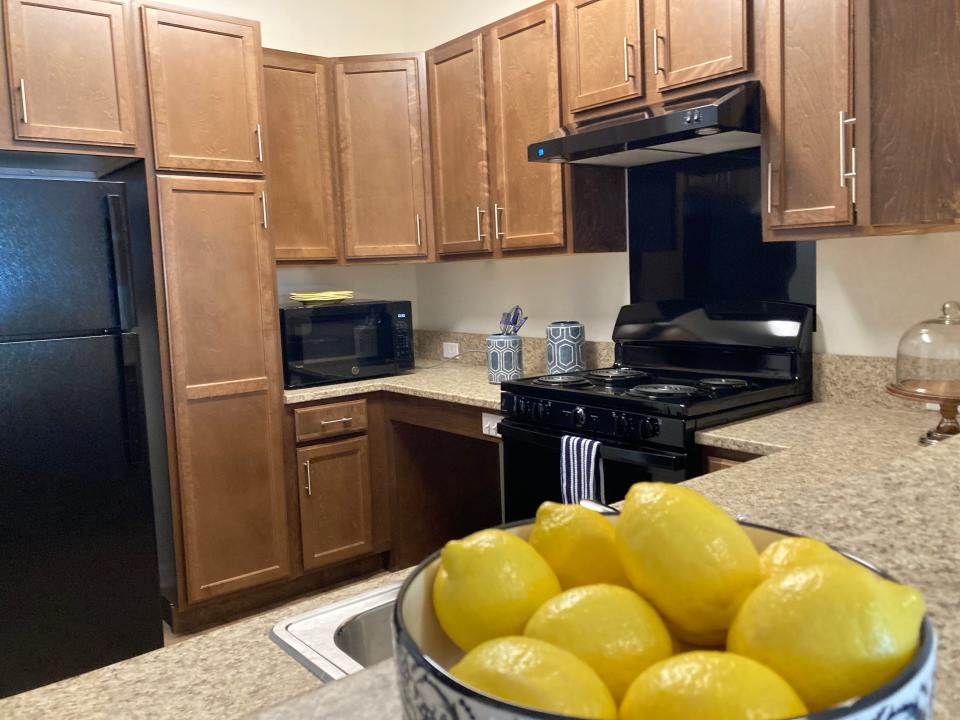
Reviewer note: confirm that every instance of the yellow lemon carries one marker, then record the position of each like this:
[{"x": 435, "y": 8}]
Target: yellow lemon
[
  {"x": 710, "y": 685},
  {"x": 796, "y": 552},
  {"x": 611, "y": 628},
  {"x": 834, "y": 631},
  {"x": 488, "y": 585},
  {"x": 579, "y": 544},
  {"x": 688, "y": 557},
  {"x": 538, "y": 675}
]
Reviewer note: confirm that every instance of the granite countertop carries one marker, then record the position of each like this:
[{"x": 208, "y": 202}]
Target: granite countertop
[
  {"x": 450, "y": 382},
  {"x": 852, "y": 476}
]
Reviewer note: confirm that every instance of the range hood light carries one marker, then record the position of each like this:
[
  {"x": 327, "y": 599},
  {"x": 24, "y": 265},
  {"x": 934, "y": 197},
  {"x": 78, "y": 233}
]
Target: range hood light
[{"x": 707, "y": 131}]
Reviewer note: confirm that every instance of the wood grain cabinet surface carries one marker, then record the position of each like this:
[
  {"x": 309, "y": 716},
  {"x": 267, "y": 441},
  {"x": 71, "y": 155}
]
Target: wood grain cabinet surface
[
  {"x": 70, "y": 71},
  {"x": 698, "y": 40},
  {"x": 205, "y": 92},
  {"x": 461, "y": 160},
  {"x": 602, "y": 51},
  {"x": 300, "y": 127},
  {"x": 381, "y": 127},
  {"x": 524, "y": 72},
  {"x": 809, "y": 88},
  {"x": 226, "y": 383},
  {"x": 336, "y": 508}
]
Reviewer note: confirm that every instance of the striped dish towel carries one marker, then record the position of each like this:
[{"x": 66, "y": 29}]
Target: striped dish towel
[{"x": 580, "y": 468}]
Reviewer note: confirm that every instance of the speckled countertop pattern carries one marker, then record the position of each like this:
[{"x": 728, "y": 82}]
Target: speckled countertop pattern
[
  {"x": 451, "y": 382},
  {"x": 224, "y": 673}
]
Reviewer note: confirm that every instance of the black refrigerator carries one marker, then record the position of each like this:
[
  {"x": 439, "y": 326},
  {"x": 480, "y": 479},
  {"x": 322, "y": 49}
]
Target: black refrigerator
[{"x": 78, "y": 550}]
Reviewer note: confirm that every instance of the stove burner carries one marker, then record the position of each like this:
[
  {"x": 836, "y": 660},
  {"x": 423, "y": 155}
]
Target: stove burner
[
  {"x": 724, "y": 383},
  {"x": 560, "y": 380},
  {"x": 663, "y": 391},
  {"x": 614, "y": 375}
]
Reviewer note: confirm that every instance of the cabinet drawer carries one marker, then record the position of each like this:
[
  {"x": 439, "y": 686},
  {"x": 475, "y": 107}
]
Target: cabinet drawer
[{"x": 325, "y": 421}]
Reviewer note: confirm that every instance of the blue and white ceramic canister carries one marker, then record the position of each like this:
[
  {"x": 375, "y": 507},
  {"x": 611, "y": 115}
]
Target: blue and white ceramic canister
[
  {"x": 504, "y": 358},
  {"x": 565, "y": 347}
]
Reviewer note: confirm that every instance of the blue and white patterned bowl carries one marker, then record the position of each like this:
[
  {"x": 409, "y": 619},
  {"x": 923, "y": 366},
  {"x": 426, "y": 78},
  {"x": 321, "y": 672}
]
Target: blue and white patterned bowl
[{"x": 428, "y": 691}]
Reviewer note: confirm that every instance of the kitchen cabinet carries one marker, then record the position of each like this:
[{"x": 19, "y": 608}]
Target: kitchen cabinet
[
  {"x": 693, "y": 40},
  {"x": 524, "y": 72},
  {"x": 300, "y": 125},
  {"x": 224, "y": 345},
  {"x": 461, "y": 161},
  {"x": 205, "y": 91},
  {"x": 69, "y": 71},
  {"x": 602, "y": 52},
  {"x": 717, "y": 459},
  {"x": 381, "y": 133},
  {"x": 335, "y": 501},
  {"x": 810, "y": 130}
]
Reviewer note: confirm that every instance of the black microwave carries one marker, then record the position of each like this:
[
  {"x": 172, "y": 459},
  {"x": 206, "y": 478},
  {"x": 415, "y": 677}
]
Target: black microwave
[{"x": 345, "y": 341}]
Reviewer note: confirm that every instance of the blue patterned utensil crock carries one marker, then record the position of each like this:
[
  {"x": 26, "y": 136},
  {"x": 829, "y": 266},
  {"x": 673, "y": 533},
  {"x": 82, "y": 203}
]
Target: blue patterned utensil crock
[
  {"x": 565, "y": 347},
  {"x": 504, "y": 358}
]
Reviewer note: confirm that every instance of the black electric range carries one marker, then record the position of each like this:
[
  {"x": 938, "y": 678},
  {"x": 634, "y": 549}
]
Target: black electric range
[{"x": 679, "y": 367}]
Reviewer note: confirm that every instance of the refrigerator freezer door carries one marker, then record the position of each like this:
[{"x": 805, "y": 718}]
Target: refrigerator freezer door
[
  {"x": 78, "y": 558},
  {"x": 62, "y": 245}
]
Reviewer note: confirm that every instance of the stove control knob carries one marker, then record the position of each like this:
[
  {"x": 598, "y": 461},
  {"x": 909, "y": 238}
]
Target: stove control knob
[
  {"x": 580, "y": 417},
  {"x": 620, "y": 425},
  {"x": 649, "y": 428},
  {"x": 539, "y": 411}
]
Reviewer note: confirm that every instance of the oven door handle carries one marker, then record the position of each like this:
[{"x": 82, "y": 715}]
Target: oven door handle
[{"x": 647, "y": 457}]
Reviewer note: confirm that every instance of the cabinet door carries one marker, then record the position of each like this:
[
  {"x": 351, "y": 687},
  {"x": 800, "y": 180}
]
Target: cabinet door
[
  {"x": 205, "y": 92},
  {"x": 809, "y": 86},
  {"x": 335, "y": 501},
  {"x": 696, "y": 40},
  {"x": 300, "y": 156},
  {"x": 69, "y": 71},
  {"x": 525, "y": 88},
  {"x": 380, "y": 137},
  {"x": 224, "y": 345},
  {"x": 602, "y": 51},
  {"x": 461, "y": 174}
]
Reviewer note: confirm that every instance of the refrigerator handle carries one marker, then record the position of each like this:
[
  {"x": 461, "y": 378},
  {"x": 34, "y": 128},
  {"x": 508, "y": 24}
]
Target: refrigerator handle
[
  {"x": 134, "y": 430},
  {"x": 120, "y": 239}
]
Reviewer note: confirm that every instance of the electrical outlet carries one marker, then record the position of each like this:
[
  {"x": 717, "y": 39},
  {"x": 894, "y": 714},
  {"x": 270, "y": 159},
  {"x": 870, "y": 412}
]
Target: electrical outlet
[
  {"x": 490, "y": 422},
  {"x": 451, "y": 350}
]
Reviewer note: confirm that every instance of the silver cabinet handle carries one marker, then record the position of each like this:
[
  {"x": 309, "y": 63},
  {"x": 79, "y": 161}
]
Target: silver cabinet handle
[
  {"x": 309, "y": 487},
  {"x": 844, "y": 175},
  {"x": 23, "y": 100},
  {"x": 626, "y": 59},
  {"x": 259, "y": 143},
  {"x": 344, "y": 420},
  {"x": 656, "y": 53},
  {"x": 769, "y": 188},
  {"x": 419, "y": 241},
  {"x": 263, "y": 199},
  {"x": 496, "y": 220},
  {"x": 480, "y": 235}
]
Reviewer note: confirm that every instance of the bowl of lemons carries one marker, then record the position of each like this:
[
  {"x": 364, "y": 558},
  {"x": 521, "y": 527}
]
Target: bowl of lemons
[{"x": 669, "y": 610}]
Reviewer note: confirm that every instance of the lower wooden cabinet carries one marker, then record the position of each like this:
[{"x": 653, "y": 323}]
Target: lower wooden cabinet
[
  {"x": 716, "y": 459},
  {"x": 336, "y": 508}
]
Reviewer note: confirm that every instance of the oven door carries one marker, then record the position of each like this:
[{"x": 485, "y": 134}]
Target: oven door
[
  {"x": 531, "y": 468},
  {"x": 337, "y": 343}
]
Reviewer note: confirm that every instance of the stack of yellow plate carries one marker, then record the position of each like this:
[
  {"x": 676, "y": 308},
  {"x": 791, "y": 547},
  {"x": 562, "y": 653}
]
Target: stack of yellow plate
[{"x": 318, "y": 297}]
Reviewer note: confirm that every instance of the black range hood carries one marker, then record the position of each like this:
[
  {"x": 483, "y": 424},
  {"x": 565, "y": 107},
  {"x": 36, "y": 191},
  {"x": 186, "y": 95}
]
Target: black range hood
[{"x": 727, "y": 120}]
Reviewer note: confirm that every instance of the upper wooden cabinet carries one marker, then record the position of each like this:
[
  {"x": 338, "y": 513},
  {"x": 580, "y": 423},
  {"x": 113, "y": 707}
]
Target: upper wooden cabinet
[
  {"x": 461, "y": 174},
  {"x": 227, "y": 384},
  {"x": 336, "y": 505},
  {"x": 300, "y": 123},
  {"x": 381, "y": 133},
  {"x": 69, "y": 71},
  {"x": 205, "y": 91},
  {"x": 602, "y": 51},
  {"x": 524, "y": 72},
  {"x": 810, "y": 126},
  {"x": 697, "y": 40}
]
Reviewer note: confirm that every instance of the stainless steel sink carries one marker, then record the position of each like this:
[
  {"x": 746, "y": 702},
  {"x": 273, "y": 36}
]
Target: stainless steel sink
[{"x": 337, "y": 640}]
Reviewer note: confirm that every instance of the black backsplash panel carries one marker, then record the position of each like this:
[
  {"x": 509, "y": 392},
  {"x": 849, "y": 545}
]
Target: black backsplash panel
[{"x": 695, "y": 234}]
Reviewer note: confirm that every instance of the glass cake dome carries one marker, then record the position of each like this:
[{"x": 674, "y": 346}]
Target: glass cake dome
[{"x": 928, "y": 368}]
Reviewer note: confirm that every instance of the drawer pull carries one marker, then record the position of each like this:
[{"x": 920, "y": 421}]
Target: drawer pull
[
  {"x": 344, "y": 420},
  {"x": 309, "y": 487}
]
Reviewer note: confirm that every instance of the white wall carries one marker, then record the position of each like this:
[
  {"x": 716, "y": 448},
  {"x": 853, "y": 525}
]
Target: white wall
[
  {"x": 433, "y": 22},
  {"x": 379, "y": 282}
]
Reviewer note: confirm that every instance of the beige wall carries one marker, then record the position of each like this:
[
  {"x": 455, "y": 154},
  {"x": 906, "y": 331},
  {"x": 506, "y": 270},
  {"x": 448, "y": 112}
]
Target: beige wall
[{"x": 870, "y": 290}]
